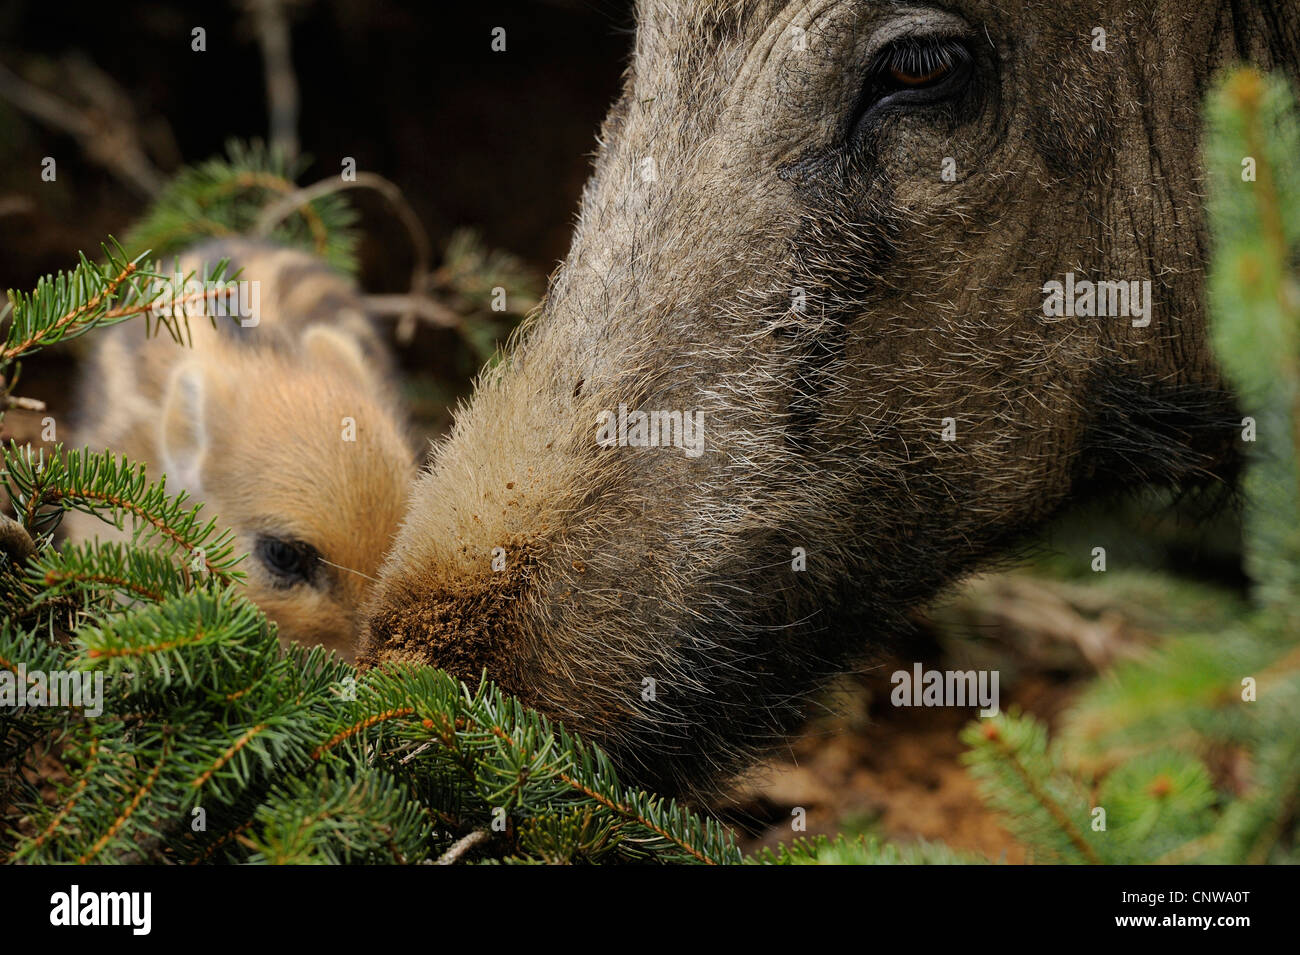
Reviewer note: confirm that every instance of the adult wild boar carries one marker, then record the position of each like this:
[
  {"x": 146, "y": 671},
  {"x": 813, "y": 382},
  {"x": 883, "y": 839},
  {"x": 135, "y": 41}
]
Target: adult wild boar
[{"x": 826, "y": 230}]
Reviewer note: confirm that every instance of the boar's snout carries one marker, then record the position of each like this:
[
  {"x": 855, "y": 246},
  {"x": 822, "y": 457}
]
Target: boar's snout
[{"x": 463, "y": 629}]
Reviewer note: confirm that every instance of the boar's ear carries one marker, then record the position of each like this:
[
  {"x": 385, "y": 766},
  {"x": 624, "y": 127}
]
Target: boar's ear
[
  {"x": 183, "y": 438},
  {"x": 336, "y": 350}
]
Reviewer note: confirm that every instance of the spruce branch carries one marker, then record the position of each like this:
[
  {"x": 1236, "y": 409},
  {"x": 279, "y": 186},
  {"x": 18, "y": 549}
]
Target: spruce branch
[
  {"x": 1018, "y": 776},
  {"x": 358, "y": 816},
  {"x": 114, "y": 490},
  {"x": 520, "y": 761},
  {"x": 107, "y": 575},
  {"x": 1254, "y": 294},
  {"x": 68, "y": 304},
  {"x": 226, "y": 196}
]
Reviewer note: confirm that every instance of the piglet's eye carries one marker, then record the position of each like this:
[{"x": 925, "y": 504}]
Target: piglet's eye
[{"x": 289, "y": 561}]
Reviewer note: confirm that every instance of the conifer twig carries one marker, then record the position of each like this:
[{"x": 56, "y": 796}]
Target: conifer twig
[
  {"x": 461, "y": 846},
  {"x": 1041, "y": 796}
]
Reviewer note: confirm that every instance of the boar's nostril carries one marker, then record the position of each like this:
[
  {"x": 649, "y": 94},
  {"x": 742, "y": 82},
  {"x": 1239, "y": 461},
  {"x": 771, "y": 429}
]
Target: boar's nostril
[
  {"x": 445, "y": 633},
  {"x": 463, "y": 626}
]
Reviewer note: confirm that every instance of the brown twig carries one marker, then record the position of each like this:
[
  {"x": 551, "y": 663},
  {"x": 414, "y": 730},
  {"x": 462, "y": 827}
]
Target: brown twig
[
  {"x": 105, "y": 129},
  {"x": 462, "y": 846},
  {"x": 422, "y": 306},
  {"x": 277, "y": 211},
  {"x": 17, "y": 402}
]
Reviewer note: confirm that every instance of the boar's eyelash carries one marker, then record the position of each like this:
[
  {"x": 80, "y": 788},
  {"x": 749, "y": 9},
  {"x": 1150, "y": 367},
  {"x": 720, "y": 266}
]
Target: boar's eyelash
[
  {"x": 949, "y": 54},
  {"x": 920, "y": 56}
]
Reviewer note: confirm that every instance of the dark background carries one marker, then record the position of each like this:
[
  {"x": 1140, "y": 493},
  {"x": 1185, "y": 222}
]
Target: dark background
[{"x": 498, "y": 141}]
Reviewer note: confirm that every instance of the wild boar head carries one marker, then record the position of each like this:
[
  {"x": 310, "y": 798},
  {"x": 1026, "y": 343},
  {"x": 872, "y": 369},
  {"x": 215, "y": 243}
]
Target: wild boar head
[{"x": 823, "y": 231}]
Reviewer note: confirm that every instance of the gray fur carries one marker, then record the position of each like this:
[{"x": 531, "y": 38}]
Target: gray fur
[{"x": 823, "y": 427}]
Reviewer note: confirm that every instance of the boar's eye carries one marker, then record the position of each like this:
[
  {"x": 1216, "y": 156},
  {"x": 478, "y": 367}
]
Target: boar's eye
[
  {"x": 913, "y": 72},
  {"x": 289, "y": 561}
]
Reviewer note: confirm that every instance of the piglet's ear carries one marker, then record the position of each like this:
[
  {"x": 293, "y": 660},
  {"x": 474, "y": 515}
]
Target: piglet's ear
[
  {"x": 183, "y": 439},
  {"x": 339, "y": 351}
]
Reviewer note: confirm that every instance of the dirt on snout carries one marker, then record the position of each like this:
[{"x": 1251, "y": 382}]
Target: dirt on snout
[{"x": 463, "y": 630}]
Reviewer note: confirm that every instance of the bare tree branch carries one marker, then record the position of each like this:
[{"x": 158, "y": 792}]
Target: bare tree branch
[
  {"x": 422, "y": 306},
  {"x": 272, "y": 28},
  {"x": 105, "y": 129},
  {"x": 462, "y": 846}
]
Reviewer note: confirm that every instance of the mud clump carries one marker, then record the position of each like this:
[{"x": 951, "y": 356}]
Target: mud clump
[{"x": 465, "y": 629}]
